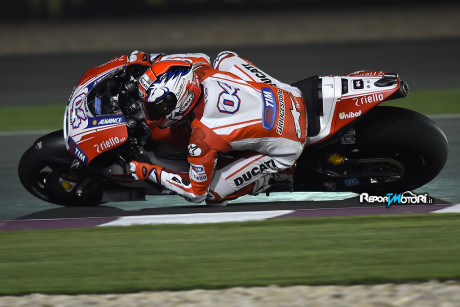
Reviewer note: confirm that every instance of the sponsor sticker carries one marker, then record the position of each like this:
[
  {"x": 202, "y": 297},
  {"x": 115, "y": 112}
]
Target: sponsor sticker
[
  {"x": 351, "y": 182},
  {"x": 110, "y": 121},
  {"x": 194, "y": 150},
  {"x": 188, "y": 101},
  {"x": 269, "y": 108},
  {"x": 145, "y": 82},
  {"x": 358, "y": 84},
  {"x": 366, "y": 99},
  {"x": 107, "y": 144},
  {"x": 247, "y": 176},
  {"x": 367, "y": 73},
  {"x": 296, "y": 117},
  {"x": 280, "y": 126},
  {"x": 198, "y": 173},
  {"x": 106, "y": 120},
  {"x": 259, "y": 74},
  {"x": 78, "y": 153},
  {"x": 348, "y": 115}
]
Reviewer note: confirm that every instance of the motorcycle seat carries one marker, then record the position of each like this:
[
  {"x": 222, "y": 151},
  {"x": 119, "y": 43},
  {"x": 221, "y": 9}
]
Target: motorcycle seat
[{"x": 311, "y": 92}]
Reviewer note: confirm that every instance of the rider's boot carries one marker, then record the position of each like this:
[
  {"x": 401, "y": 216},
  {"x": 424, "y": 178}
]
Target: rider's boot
[
  {"x": 281, "y": 181},
  {"x": 214, "y": 199}
]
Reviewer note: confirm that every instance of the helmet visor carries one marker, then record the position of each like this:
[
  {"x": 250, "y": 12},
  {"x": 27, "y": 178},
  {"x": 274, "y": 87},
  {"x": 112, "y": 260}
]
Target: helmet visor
[{"x": 157, "y": 110}]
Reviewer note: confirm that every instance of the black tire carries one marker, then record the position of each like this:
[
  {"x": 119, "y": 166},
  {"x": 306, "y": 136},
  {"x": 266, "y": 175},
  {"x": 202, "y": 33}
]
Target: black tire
[
  {"x": 407, "y": 137},
  {"x": 41, "y": 179}
]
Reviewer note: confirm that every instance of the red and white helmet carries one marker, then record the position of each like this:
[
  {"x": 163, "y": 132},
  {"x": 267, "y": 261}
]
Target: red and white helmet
[{"x": 169, "y": 90}]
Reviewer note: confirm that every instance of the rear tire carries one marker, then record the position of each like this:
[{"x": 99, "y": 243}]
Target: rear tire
[{"x": 407, "y": 137}]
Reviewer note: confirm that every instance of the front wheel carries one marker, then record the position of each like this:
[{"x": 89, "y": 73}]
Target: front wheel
[{"x": 55, "y": 181}]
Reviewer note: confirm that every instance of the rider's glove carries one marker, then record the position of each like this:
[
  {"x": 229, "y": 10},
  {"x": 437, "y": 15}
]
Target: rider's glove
[
  {"x": 142, "y": 58},
  {"x": 144, "y": 171}
]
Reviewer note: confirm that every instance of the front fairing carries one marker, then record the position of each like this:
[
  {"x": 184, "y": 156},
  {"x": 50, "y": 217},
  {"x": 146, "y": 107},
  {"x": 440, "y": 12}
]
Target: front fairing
[{"x": 88, "y": 135}]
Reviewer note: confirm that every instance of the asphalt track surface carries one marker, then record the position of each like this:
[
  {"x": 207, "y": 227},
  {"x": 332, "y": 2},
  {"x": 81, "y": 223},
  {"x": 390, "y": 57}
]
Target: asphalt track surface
[{"x": 431, "y": 64}]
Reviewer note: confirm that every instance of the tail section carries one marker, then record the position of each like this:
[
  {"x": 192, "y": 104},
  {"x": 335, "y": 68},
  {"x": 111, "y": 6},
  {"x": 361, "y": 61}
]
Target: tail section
[{"x": 335, "y": 101}]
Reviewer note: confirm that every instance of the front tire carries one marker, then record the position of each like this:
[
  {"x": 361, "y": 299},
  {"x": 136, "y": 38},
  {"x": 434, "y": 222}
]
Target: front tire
[{"x": 43, "y": 178}]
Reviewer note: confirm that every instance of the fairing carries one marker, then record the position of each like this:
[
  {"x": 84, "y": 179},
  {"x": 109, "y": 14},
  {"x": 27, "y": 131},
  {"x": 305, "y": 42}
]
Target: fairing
[{"x": 88, "y": 135}]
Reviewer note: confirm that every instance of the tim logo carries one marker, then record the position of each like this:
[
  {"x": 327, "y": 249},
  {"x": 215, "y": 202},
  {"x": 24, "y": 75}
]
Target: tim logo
[
  {"x": 78, "y": 153},
  {"x": 269, "y": 108}
]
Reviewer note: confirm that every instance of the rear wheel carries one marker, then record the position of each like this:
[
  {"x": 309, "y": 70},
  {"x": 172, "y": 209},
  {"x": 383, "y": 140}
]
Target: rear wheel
[
  {"x": 414, "y": 148},
  {"x": 394, "y": 150}
]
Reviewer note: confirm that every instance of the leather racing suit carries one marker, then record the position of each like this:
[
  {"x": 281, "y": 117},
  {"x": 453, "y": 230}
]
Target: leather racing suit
[{"x": 241, "y": 109}]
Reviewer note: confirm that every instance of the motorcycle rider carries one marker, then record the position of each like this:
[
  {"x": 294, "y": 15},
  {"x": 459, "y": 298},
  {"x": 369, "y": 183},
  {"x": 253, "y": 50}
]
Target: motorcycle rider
[{"x": 235, "y": 106}]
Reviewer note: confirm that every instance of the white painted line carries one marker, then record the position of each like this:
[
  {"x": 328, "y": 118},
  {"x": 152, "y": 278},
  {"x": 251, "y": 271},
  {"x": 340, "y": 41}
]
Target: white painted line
[
  {"x": 197, "y": 218},
  {"x": 451, "y": 209}
]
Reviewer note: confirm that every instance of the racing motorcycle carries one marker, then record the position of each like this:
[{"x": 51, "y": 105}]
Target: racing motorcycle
[{"x": 353, "y": 143}]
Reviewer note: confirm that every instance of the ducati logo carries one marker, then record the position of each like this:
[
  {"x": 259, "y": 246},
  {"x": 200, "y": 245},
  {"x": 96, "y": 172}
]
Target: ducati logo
[{"x": 256, "y": 170}]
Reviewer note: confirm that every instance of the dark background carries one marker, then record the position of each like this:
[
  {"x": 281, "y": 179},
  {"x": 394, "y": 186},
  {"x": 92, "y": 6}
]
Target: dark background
[{"x": 19, "y": 10}]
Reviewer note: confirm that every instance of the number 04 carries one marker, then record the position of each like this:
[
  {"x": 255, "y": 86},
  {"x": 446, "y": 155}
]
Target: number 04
[{"x": 228, "y": 102}]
